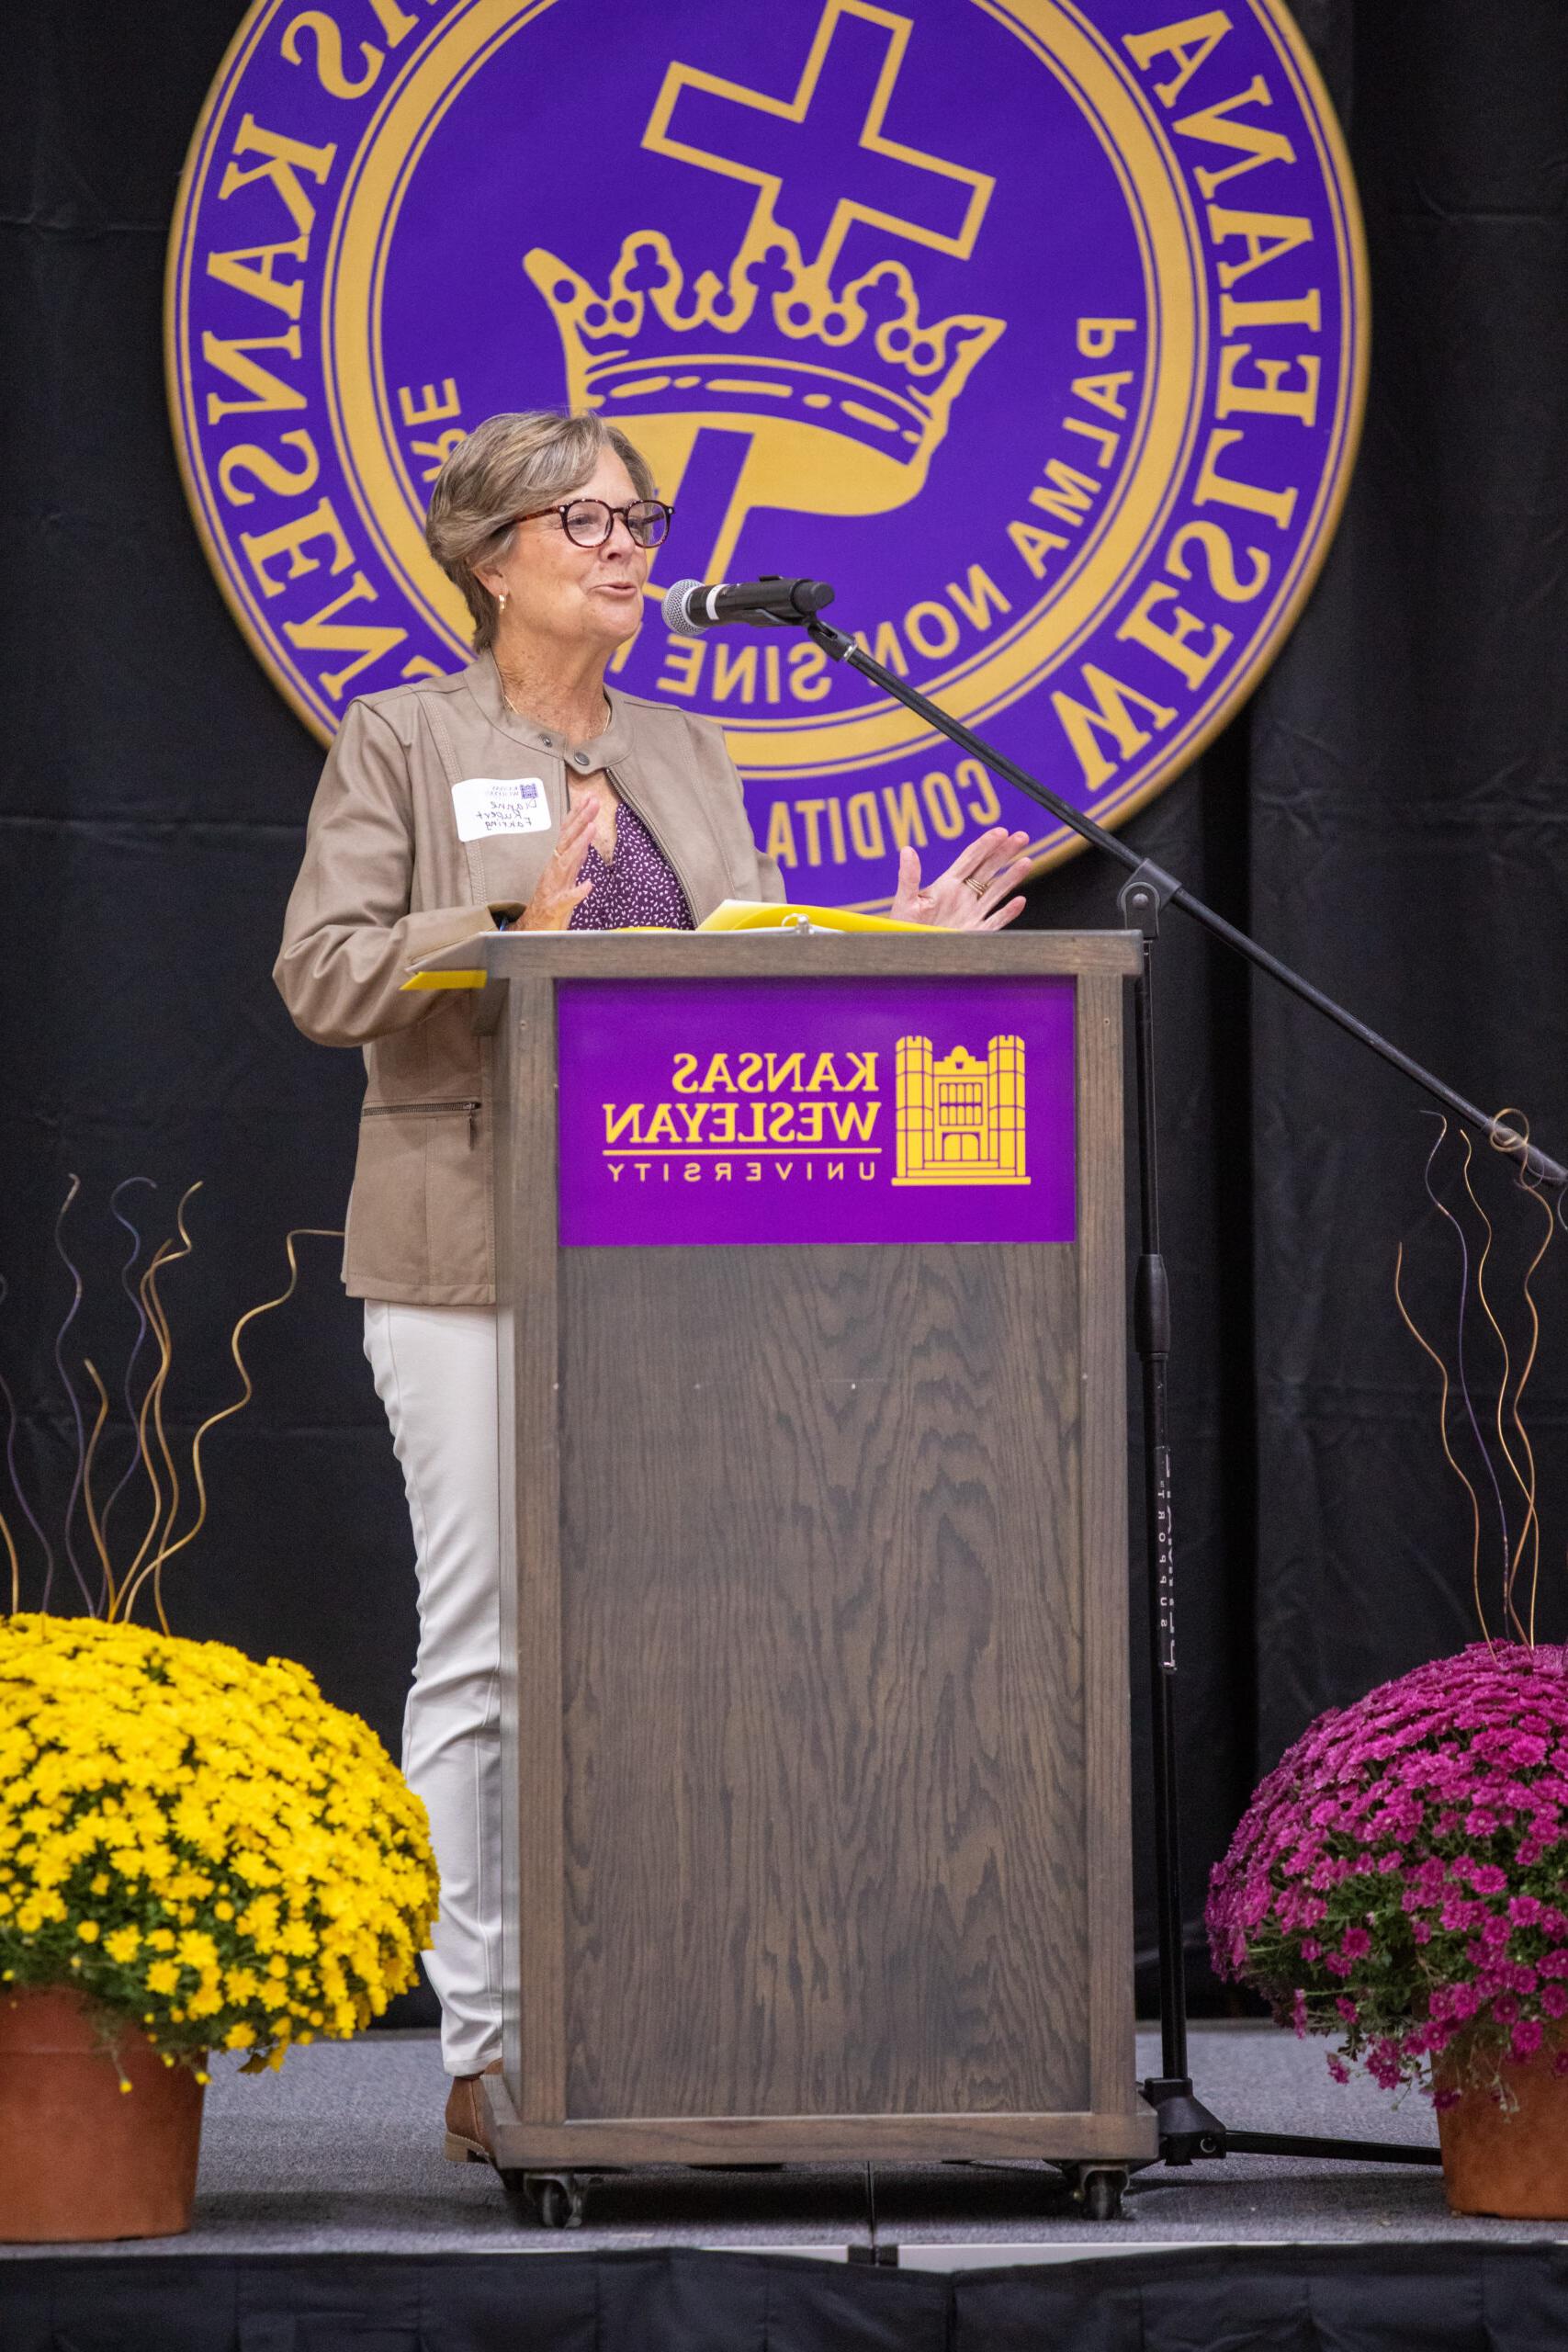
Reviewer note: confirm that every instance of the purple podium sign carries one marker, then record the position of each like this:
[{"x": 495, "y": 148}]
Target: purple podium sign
[{"x": 815, "y": 1111}]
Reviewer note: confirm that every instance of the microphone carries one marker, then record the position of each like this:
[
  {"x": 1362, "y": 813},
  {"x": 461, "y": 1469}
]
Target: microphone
[{"x": 768, "y": 603}]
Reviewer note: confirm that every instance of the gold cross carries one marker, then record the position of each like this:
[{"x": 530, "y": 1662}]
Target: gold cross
[{"x": 687, "y": 83}]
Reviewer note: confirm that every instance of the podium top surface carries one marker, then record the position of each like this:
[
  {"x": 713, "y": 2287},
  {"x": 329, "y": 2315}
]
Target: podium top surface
[{"x": 785, "y": 954}]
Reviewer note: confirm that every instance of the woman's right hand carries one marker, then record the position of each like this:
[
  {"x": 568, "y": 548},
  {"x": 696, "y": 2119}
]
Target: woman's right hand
[{"x": 557, "y": 893}]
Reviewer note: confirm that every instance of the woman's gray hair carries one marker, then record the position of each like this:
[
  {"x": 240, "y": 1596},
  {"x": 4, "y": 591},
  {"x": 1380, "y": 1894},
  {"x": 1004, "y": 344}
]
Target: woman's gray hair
[{"x": 512, "y": 462}]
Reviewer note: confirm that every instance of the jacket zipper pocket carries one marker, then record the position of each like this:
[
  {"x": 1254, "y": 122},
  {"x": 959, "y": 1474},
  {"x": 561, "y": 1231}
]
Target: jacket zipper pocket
[{"x": 387, "y": 1110}]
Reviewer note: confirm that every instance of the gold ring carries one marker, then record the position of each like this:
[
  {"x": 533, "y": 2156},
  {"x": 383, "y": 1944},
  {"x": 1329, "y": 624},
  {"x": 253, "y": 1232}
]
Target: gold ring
[{"x": 979, "y": 888}]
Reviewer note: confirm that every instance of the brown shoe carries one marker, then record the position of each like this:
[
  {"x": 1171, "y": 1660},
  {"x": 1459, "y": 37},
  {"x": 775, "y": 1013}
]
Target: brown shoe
[{"x": 466, "y": 2140}]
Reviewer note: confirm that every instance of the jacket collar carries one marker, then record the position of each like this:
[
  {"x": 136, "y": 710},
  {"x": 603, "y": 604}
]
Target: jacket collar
[{"x": 483, "y": 680}]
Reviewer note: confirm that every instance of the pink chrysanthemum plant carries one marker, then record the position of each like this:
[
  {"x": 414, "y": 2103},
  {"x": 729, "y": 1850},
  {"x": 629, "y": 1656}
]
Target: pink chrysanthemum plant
[{"x": 1399, "y": 1879}]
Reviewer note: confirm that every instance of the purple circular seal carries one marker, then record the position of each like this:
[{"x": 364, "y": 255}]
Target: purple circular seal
[{"x": 1039, "y": 330}]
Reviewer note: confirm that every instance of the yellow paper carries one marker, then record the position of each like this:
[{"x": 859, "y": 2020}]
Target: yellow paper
[{"x": 748, "y": 914}]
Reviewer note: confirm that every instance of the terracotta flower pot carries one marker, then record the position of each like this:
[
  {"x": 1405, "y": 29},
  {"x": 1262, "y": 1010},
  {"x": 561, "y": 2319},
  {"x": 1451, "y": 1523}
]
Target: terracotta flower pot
[
  {"x": 1513, "y": 2165},
  {"x": 79, "y": 2157}
]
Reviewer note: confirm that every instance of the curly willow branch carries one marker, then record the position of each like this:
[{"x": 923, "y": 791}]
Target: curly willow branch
[
  {"x": 143, "y": 1449},
  {"x": 167, "y": 1338},
  {"x": 167, "y": 1254},
  {"x": 71, "y": 1398},
  {"x": 1462, "y": 1375},
  {"x": 164, "y": 1330},
  {"x": 1532, "y": 1523},
  {"x": 153, "y": 1569},
  {"x": 1442, "y": 1364},
  {"x": 1422, "y": 1341},
  {"x": 1511, "y": 1565},
  {"x": 93, "y": 1521},
  {"x": 130, "y": 1362}
]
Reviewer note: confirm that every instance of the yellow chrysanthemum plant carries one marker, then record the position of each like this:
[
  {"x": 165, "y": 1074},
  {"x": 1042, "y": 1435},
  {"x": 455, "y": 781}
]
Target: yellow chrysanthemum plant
[{"x": 201, "y": 1844}]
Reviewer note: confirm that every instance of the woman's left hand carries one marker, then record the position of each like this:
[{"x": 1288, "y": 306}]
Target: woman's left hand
[{"x": 973, "y": 894}]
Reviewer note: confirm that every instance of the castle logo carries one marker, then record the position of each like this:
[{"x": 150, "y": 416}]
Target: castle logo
[
  {"x": 961, "y": 1120},
  {"x": 1036, "y": 326}
]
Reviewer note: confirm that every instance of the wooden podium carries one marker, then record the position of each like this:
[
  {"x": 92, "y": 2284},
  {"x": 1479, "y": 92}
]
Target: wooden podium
[{"x": 816, "y": 1707}]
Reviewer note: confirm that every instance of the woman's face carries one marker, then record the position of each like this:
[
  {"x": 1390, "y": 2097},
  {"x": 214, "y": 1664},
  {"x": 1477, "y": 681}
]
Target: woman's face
[{"x": 570, "y": 597}]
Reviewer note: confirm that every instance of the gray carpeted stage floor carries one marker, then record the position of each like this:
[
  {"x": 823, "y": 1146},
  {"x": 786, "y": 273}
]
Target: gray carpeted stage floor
[{"x": 341, "y": 2153}]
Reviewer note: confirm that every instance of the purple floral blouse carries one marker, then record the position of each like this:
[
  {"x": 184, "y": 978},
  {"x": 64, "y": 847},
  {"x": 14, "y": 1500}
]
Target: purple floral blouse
[{"x": 637, "y": 886}]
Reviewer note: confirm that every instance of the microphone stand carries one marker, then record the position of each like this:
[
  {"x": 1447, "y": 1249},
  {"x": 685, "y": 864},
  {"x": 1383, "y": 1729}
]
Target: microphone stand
[{"x": 1187, "y": 2128}]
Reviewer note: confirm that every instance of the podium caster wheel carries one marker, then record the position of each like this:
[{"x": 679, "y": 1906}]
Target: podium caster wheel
[
  {"x": 1100, "y": 2190},
  {"x": 560, "y": 2198}
]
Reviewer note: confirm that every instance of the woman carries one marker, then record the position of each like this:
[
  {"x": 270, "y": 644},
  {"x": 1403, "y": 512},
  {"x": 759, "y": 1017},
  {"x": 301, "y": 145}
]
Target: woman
[{"x": 526, "y": 792}]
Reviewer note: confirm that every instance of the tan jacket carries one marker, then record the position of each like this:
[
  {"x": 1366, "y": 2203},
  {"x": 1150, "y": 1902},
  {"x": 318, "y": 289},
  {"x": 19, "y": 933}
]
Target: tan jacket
[{"x": 386, "y": 880}]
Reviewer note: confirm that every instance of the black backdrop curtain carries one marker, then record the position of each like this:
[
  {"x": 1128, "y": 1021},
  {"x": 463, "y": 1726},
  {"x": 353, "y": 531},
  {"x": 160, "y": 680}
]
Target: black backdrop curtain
[{"x": 1388, "y": 813}]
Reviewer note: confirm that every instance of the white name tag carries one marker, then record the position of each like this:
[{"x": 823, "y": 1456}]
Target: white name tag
[{"x": 486, "y": 805}]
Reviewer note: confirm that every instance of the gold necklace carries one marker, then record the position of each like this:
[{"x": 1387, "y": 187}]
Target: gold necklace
[{"x": 518, "y": 712}]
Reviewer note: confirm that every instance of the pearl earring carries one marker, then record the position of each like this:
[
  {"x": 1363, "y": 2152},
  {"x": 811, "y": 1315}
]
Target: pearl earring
[{"x": 500, "y": 600}]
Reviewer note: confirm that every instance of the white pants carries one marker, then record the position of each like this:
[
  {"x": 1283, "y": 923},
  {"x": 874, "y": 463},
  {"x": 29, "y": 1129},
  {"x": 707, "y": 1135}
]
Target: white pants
[{"x": 436, "y": 1373}]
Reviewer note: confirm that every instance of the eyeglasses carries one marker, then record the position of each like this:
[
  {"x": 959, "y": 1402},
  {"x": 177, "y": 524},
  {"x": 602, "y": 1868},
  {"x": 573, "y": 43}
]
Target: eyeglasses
[{"x": 588, "y": 522}]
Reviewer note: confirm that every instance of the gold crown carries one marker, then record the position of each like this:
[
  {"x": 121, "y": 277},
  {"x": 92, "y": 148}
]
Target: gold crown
[{"x": 824, "y": 379}]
